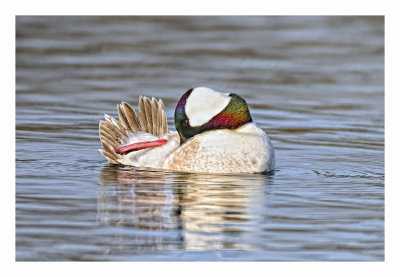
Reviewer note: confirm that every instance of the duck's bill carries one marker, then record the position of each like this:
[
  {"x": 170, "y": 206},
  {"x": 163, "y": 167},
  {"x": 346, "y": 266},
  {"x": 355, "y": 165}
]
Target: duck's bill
[{"x": 139, "y": 146}]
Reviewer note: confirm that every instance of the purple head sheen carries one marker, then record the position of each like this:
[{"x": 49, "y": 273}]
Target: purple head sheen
[
  {"x": 180, "y": 107},
  {"x": 180, "y": 118}
]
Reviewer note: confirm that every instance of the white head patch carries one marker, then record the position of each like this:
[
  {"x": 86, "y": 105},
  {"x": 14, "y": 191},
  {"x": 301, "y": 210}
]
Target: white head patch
[{"x": 203, "y": 104}]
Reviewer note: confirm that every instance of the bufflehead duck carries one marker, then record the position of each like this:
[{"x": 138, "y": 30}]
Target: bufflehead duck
[{"x": 215, "y": 134}]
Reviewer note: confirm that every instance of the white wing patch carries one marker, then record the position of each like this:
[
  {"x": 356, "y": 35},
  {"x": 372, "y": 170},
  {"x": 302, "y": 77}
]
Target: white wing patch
[{"x": 203, "y": 104}]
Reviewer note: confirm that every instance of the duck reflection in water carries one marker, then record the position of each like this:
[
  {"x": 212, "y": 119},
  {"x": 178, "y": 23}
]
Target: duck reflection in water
[{"x": 208, "y": 211}]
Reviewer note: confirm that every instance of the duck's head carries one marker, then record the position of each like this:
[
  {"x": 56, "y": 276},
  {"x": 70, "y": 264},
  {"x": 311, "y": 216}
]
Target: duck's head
[{"x": 202, "y": 109}]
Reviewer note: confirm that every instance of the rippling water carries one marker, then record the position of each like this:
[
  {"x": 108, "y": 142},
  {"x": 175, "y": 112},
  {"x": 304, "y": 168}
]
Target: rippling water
[{"x": 314, "y": 84}]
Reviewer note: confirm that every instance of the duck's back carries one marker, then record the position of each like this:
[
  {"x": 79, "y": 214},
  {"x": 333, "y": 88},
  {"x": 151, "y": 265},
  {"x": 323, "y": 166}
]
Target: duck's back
[{"x": 243, "y": 150}]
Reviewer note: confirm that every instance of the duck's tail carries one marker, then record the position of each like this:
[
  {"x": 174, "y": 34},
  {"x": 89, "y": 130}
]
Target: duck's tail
[{"x": 151, "y": 118}]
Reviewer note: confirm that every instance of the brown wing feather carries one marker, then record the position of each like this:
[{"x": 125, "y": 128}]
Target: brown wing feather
[
  {"x": 149, "y": 118},
  {"x": 142, "y": 114},
  {"x": 154, "y": 110},
  {"x": 131, "y": 117}
]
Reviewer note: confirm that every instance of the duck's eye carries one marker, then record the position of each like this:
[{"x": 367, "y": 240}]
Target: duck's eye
[{"x": 186, "y": 122}]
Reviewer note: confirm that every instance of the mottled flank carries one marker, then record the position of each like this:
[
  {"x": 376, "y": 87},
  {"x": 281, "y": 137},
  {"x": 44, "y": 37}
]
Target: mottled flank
[
  {"x": 246, "y": 149},
  {"x": 185, "y": 158}
]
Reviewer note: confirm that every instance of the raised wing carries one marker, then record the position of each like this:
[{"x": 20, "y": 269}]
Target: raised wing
[{"x": 151, "y": 118}]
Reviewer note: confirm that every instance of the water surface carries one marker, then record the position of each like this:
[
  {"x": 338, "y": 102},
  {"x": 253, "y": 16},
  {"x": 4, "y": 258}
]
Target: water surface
[{"x": 314, "y": 84}]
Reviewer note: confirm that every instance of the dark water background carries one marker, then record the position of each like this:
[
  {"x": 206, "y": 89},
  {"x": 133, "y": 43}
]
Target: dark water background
[{"x": 314, "y": 84}]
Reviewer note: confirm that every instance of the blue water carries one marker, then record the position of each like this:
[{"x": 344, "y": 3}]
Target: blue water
[{"x": 314, "y": 84}]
